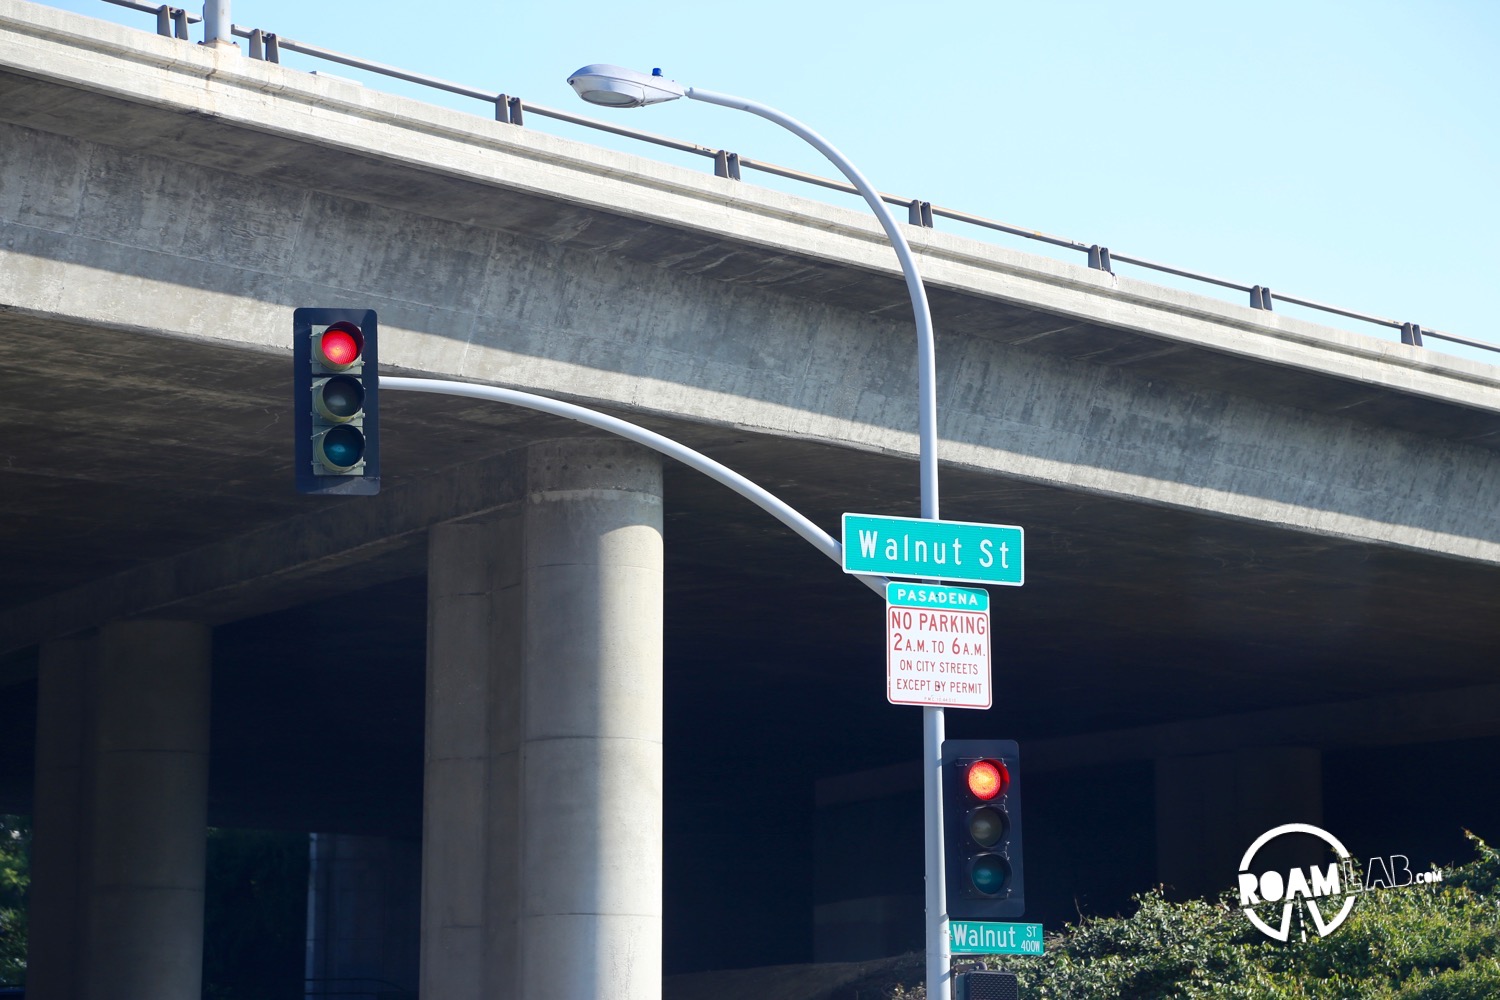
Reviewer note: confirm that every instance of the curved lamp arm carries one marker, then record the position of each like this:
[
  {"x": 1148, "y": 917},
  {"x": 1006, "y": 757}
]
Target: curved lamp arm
[
  {"x": 926, "y": 377},
  {"x": 749, "y": 489}
]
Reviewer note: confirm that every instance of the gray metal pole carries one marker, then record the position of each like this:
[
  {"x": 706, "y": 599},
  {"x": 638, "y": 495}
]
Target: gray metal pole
[
  {"x": 750, "y": 490},
  {"x": 926, "y": 378},
  {"x": 216, "y": 23},
  {"x": 939, "y": 986}
]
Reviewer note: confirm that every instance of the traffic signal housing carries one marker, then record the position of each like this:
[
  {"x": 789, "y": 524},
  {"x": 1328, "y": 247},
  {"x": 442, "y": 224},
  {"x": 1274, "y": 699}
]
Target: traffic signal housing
[
  {"x": 982, "y": 829},
  {"x": 336, "y": 390}
]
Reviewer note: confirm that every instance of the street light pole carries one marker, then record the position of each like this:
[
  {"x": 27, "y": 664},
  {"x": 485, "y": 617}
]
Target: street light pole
[
  {"x": 216, "y": 24},
  {"x": 615, "y": 86},
  {"x": 926, "y": 389}
]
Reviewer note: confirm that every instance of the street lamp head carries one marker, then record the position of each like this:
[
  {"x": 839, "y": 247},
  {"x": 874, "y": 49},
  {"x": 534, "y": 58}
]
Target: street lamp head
[{"x": 618, "y": 87}]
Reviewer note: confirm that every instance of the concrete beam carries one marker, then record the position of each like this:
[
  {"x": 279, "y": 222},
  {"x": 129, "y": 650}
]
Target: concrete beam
[
  {"x": 654, "y": 342},
  {"x": 279, "y": 565},
  {"x": 1388, "y": 720},
  {"x": 261, "y": 112},
  {"x": 660, "y": 290}
]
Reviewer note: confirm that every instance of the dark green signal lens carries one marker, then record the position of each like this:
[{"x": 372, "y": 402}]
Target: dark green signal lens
[
  {"x": 340, "y": 448},
  {"x": 990, "y": 874},
  {"x": 338, "y": 399},
  {"x": 987, "y": 826}
]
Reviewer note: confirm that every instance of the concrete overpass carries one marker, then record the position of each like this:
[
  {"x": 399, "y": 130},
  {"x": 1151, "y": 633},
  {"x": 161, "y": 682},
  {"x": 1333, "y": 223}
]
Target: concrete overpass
[{"x": 1263, "y": 554}]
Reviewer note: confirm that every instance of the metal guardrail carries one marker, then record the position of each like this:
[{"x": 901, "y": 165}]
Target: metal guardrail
[
  {"x": 267, "y": 46},
  {"x": 167, "y": 18}
]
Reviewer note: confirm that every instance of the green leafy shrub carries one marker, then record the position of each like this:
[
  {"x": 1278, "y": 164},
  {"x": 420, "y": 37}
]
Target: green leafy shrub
[
  {"x": 15, "y": 879},
  {"x": 1421, "y": 942}
]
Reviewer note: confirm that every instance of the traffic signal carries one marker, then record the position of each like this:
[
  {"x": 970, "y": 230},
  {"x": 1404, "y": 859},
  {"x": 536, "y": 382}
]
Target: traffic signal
[
  {"x": 982, "y": 829},
  {"x": 336, "y": 388},
  {"x": 986, "y": 985}
]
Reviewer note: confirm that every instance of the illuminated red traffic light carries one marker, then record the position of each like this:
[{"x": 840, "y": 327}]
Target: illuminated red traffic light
[
  {"x": 340, "y": 346},
  {"x": 336, "y": 378},
  {"x": 981, "y": 799},
  {"x": 987, "y": 779}
]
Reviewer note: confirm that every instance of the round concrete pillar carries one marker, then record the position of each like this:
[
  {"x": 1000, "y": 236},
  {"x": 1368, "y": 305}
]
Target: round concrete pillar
[
  {"x": 59, "y": 850},
  {"x": 148, "y": 812},
  {"x": 471, "y": 813},
  {"x": 591, "y": 741}
]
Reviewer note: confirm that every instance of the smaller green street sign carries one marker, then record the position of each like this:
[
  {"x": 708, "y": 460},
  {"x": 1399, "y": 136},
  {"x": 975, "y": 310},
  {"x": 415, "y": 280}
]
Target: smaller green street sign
[
  {"x": 986, "y": 937},
  {"x": 925, "y": 595},
  {"x": 929, "y": 549}
]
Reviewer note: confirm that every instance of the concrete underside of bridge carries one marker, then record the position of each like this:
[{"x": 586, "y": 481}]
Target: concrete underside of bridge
[{"x": 1262, "y": 557}]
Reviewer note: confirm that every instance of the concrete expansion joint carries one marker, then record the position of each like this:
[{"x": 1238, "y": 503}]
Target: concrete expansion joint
[
  {"x": 653, "y": 915},
  {"x": 595, "y": 738},
  {"x": 602, "y": 493},
  {"x": 477, "y": 757},
  {"x": 594, "y": 564},
  {"x": 173, "y": 751}
]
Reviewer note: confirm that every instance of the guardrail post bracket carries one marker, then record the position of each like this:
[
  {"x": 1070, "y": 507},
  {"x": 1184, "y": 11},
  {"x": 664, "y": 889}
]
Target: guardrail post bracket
[{"x": 727, "y": 164}]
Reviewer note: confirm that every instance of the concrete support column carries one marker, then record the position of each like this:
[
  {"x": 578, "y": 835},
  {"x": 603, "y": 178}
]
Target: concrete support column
[
  {"x": 591, "y": 743},
  {"x": 361, "y": 916},
  {"x": 1211, "y": 807},
  {"x": 470, "y": 826},
  {"x": 148, "y": 812},
  {"x": 542, "y": 862},
  {"x": 59, "y": 849}
]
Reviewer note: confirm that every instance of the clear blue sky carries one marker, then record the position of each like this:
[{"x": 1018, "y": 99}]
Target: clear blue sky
[{"x": 1347, "y": 152}]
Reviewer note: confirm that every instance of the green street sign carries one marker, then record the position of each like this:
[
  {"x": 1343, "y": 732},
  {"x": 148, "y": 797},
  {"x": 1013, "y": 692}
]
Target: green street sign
[
  {"x": 929, "y": 549},
  {"x": 925, "y": 595},
  {"x": 985, "y": 937}
]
